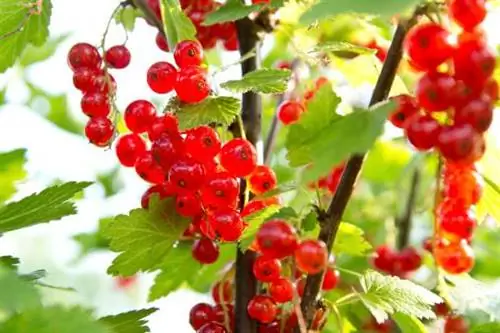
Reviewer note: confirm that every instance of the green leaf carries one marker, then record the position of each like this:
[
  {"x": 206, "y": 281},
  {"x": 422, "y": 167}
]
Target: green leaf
[
  {"x": 386, "y": 162},
  {"x": 33, "y": 54},
  {"x": 326, "y": 147},
  {"x": 327, "y": 8},
  {"x": 286, "y": 213},
  {"x": 9, "y": 262},
  {"x": 126, "y": 16},
  {"x": 254, "y": 222},
  {"x": 218, "y": 110},
  {"x": 310, "y": 222},
  {"x": 409, "y": 323},
  {"x": 56, "y": 319},
  {"x": 11, "y": 171},
  {"x": 21, "y": 26},
  {"x": 266, "y": 81},
  {"x": 171, "y": 277},
  {"x": 177, "y": 25},
  {"x": 340, "y": 46},
  {"x": 144, "y": 237},
  {"x": 233, "y": 10},
  {"x": 51, "y": 204},
  {"x": 282, "y": 188},
  {"x": 350, "y": 240},
  {"x": 128, "y": 322},
  {"x": 110, "y": 182},
  {"x": 94, "y": 240},
  {"x": 386, "y": 295},
  {"x": 486, "y": 328},
  {"x": 17, "y": 294}
]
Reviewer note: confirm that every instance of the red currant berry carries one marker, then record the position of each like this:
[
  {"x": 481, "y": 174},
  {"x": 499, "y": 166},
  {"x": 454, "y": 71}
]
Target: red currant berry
[
  {"x": 118, "y": 57},
  {"x": 474, "y": 64},
  {"x": 435, "y": 91},
  {"x": 83, "y": 78},
  {"x": 272, "y": 327},
  {"x": 128, "y": 149},
  {"x": 139, "y": 115},
  {"x": 333, "y": 179},
  {"x": 161, "y": 190},
  {"x": 422, "y": 131},
  {"x": 238, "y": 157},
  {"x": 384, "y": 258},
  {"x": 95, "y": 104},
  {"x": 188, "y": 204},
  {"x": 311, "y": 256},
  {"x": 467, "y": 13},
  {"x": 147, "y": 168},
  {"x": 266, "y": 270},
  {"x": 406, "y": 107},
  {"x": 202, "y": 143},
  {"x": 188, "y": 53},
  {"x": 227, "y": 223},
  {"x": 410, "y": 260},
  {"x": 212, "y": 327},
  {"x": 478, "y": 113},
  {"x": 491, "y": 90},
  {"x": 289, "y": 112},
  {"x": 456, "y": 324},
  {"x": 457, "y": 143},
  {"x": 166, "y": 124},
  {"x": 441, "y": 309},
  {"x": 155, "y": 7},
  {"x": 458, "y": 222},
  {"x": 277, "y": 239},
  {"x": 166, "y": 151},
  {"x": 253, "y": 207},
  {"x": 186, "y": 175},
  {"x": 255, "y": 2},
  {"x": 281, "y": 290},
  {"x": 84, "y": 55},
  {"x": 192, "y": 85},
  {"x": 454, "y": 258},
  {"x": 224, "y": 312},
  {"x": 427, "y": 46},
  {"x": 205, "y": 250},
  {"x": 262, "y": 308},
  {"x": 161, "y": 42},
  {"x": 162, "y": 77},
  {"x": 222, "y": 292},
  {"x": 231, "y": 44},
  {"x": 103, "y": 83},
  {"x": 331, "y": 279},
  {"x": 201, "y": 314},
  {"x": 220, "y": 190},
  {"x": 99, "y": 131},
  {"x": 262, "y": 179}
]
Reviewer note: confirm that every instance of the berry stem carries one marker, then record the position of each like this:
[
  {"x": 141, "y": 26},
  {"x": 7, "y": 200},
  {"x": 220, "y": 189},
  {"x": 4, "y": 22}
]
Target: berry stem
[
  {"x": 143, "y": 6},
  {"x": 404, "y": 221}
]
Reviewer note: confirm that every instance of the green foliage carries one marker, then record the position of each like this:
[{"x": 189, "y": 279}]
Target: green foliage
[
  {"x": 408, "y": 323},
  {"x": 34, "y": 54},
  {"x": 280, "y": 189},
  {"x": 17, "y": 294},
  {"x": 219, "y": 110},
  {"x": 177, "y": 25},
  {"x": 233, "y": 10},
  {"x": 128, "y": 322},
  {"x": 19, "y": 27},
  {"x": 309, "y": 222},
  {"x": 350, "y": 240},
  {"x": 110, "y": 182},
  {"x": 386, "y": 295},
  {"x": 340, "y": 46},
  {"x": 486, "y": 328},
  {"x": 51, "y": 204},
  {"x": 144, "y": 237},
  {"x": 11, "y": 171},
  {"x": 386, "y": 162},
  {"x": 9, "y": 262},
  {"x": 94, "y": 240},
  {"x": 254, "y": 222},
  {"x": 327, "y": 8},
  {"x": 266, "y": 81},
  {"x": 126, "y": 16}
]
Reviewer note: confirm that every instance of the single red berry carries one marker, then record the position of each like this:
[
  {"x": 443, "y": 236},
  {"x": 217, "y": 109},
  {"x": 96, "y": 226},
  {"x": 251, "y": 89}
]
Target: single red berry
[
  {"x": 478, "y": 113},
  {"x": 192, "y": 85},
  {"x": 155, "y": 7},
  {"x": 117, "y": 57},
  {"x": 161, "y": 190},
  {"x": 147, "y": 168},
  {"x": 384, "y": 258},
  {"x": 406, "y": 107},
  {"x": 84, "y": 55},
  {"x": 95, "y": 104},
  {"x": 422, "y": 131},
  {"x": 454, "y": 258},
  {"x": 99, "y": 131},
  {"x": 266, "y": 269},
  {"x": 83, "y": 78},
  {"x": 262, "y": 179},
  {"x": 283, "y": 64},
  {"x": 161, "y": 42},
  {"x": 128, "y": 149},
  {"x": 491, "y": 90},
  {"x": 103, "y": 83},
  {"x": 139, "y": 115},
  {"x": 232, "y": 44},
  {"x": 409, "y": 260},
  {"x": 202, "y": 143},
  {"x": 220, "y": 190},
  {"x": 222, "y": 292},
  {"x": 467, "y": 13},
  {"x": 331, "y": 279},
  {"x": 333, "y": 179},
  {"x": 262, "y": 308},
  {"x": 458, "y": 222},
  {"x": 428, "y": 46},
  {"x": 474, "y": 64},
  {"x": 238, "y": 157},
  {"x": 435, "y": 91},
  {"x": 311, "y": 256},
  {"x": 212, "y": 327},
  {"x": 463, "y": 185},
  {"x": 205, "y": 250},
  {"x": 188, "y": 53},
  {"x": 162, "y": 77},
  {"x": 441, "y": 309},
  {"x": 186, "y": 175},
  {"x": 188, "y": 204},
  {"x": 277, "y": 239},
  {"x": 166, "y": 151},
  {"x": 253, "y": 207},
  {"x": 255, "y": 2},
  {"x": 227, "y": 223},
  {"x": 201, "y": 314},
  {"x": 165, "y": 124},
  {"x": 289, "y": 112},
  {"x": 224, "y": 312},
  {"x": 458, "y": 143},
  {"x": 456, "y": 324},
  {"x": 281, "y": 290}
]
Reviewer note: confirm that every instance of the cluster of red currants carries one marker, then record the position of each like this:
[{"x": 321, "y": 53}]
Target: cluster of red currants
[
  {"x": 97, "y": 86},
  {"x": 398, "y": 263},
  {"x": 451, "y": 111}
]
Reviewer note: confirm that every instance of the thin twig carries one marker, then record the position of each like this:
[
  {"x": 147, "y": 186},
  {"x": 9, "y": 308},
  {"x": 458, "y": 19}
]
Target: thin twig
[
  {"x": 404, "y": 221},
  {"x": 143, "y": 6}
]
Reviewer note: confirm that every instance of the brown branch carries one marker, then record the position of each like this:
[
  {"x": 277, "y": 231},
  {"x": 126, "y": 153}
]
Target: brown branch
[
  {"x": 404, "y": 221},
  {"x": 150, "y": 16}
]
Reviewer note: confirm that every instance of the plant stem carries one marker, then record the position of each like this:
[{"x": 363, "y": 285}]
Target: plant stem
[
  {"x": 143, "y": 6},
  {"x": 404, "y": 222},
  {"x": 251, "y": 112}
]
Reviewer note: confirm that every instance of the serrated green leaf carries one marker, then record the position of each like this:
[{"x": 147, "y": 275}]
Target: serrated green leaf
[
  {"x": 408, "y": 323},
  {"x": 144, "y": 237},
  {"x": 254, "y": 222},
  {"x": 33, "y": 54},
  {"x": 20, "y": 27},
  {"x": 110, "y": 182},
  {"x": 219, "y": 110},
  {"x": 17, "y": 294},
  {"x": 486, "y": 328},
  {"x": 9, "y": 262},
  {"x": 171, "y": 277},
  {"x": 56, "y": 319},
  {"x": 266, "y": 81},
  {"x": 350, "y": 240},
  {"x": 385, "y": 295},
  {"x": 128, "y": 322},
  {"x": 231, "y": 11},
  {"x": 51, "y": 204},
  {"x": 340, "y": 46},
  {"x": 177, "y": 25},
  {"x": 11, "y": 171},
  {"x": 309, "y": 222},
  {"x": 327, "y": 8},
  {"x": 126, "y": 16}
]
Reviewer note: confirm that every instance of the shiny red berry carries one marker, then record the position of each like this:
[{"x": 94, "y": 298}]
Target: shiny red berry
[
  {"x": 188, "y": 53},
  {"x": 301, "y": 286},
  {"x": 435, "y": 91},
  {"x": 161, "y": 190},
  {"x": 192, "y": 85},
  {"x": 161, "y": 42},
  {"x": 186, "y": 175},
  {"x": 478, "y": 113},
  {"x": 212, "y": 327},
  {"x": 406, "y": 107},
  {"x": 262, "y": 308},
  {"x": 205, "y": 250},
  {"x": 238, "y": 157},
  {"x": 422, "y": 131},
  {"x": 474, "y": 64},
  {"x": 139, "y": 115},
  {"x": 454, "y": 258},
  {"x": 290, "y": 111},
  {"x": 201, "y": 314},
  {"x": 409, "y": 260},
  {"x": 458, "y": 143},
  {"x": 311, "y": 256},
  {"x": 128, "y": 149},
  {"x": 231, "y": 44},
  {"x": 467, "y": 13},
  {"x": 84, "y": 55},
  {"x": 162, "y": 77},
  {"x": 277, "y": 239},
  {"x": 117, "y": 57},
  {"x": 188, "y": 204},
  {"x": 220, "y": 190},
  {"x": 166, "y": 151},
  {"x": 491, "y": 90},
  {"x": 103, "y": 83},
  {"x": 95, "y": 104},
  {"x": 456, "y": 324},
  {"x": 384, "y": 258},
  {"x": 227, "y": 224},
  {"x": 224, "y": 312},
  {"x": 458, "y": 222},
  {"x": 262, "y": 179},
  {"x": 99, "y": 131},
  {"x": 83, "y": 78},
  {"x": 148, "y": 169},
  {"x": 266, "y": 269},
  {"x": 281, "y": 290},
  {"x": 202, "y": 143},
  {"x": 222, "y": 292},
  {"x": 331, "y": 279},
  {"x": 165, "y": 124},
  {"x": 155, "y": 7}
]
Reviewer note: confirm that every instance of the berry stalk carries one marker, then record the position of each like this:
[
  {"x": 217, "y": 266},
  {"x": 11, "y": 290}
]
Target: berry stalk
[{"x": 404, "y": 221}]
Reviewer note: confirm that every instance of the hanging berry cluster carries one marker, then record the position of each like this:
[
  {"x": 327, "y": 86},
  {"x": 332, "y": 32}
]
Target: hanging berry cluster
[{"x": 451, "y": 111}]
